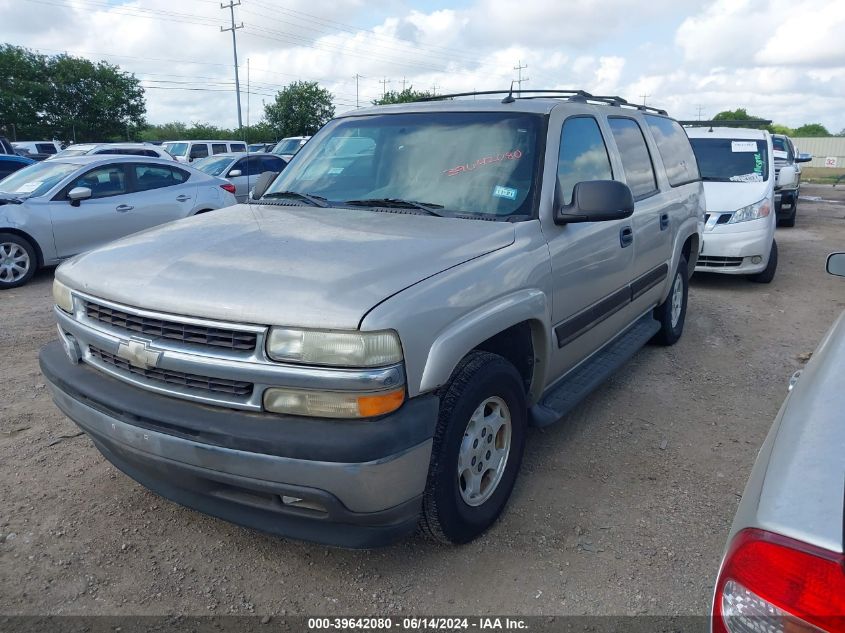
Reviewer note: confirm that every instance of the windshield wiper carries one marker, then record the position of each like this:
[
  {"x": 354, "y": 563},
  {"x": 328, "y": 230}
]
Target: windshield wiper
[
  {"x": 714, "y": 179},
  {"x": 317, "y": 201},
  {"x": 398, "y": 203}
]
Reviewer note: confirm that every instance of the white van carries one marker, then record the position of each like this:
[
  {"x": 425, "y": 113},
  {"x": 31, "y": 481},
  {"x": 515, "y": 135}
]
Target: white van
[
  {"x": 738, "y": 172},
  {"x": 189, "y": 151}
]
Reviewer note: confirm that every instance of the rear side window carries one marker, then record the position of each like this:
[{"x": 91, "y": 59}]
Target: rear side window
[
  {"x": 236, "y": 147},
  {"x": 157, "y": 176},
  {"x": 583, "y": 155},
  {"x": 218, "y": 148},
  {"x": 200, "y": 150},
  {"x": 675, "y": 150},
  {"x": 45, "y": 148},
  {"x": 636, "y": 161}
]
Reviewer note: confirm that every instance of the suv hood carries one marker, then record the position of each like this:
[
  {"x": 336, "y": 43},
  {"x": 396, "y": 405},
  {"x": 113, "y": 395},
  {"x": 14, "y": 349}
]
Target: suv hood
[
  {"x": 730, "y": 196},
  {"x": 275, "y": 265}
]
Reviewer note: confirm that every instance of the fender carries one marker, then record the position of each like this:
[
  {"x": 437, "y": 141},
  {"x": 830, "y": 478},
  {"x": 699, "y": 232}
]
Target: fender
[
  {"x": 689, "y": 228},
  {"x": 475, "y": 327}
]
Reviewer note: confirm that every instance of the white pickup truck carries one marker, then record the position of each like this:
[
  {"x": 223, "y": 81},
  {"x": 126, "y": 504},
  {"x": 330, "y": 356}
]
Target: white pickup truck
[{"x": 787, "y": 178}]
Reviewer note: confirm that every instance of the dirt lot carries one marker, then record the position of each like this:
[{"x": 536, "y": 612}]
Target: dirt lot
[{"x": 623, "y": 507}]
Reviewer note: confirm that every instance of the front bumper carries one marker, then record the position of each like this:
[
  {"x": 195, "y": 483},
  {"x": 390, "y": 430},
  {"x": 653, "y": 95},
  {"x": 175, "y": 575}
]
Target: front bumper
[
  {"x": 731, "y": 251},
  {"x": 339, "y": 482}
]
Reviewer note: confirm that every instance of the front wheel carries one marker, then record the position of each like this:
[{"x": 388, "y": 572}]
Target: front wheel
[
  {"x": 477, "y": 451},
  {"x": 672, "y": 313},
  {"x": 18, "y": 261},
  {"x": 768, "y": 273}
]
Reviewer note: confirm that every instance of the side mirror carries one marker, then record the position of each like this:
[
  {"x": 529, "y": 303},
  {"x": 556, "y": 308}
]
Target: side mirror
[
  {"x": 234, "y": 173},
  {"x": 78, "y": 194},
  {"x": 836, "y": 264},
  {"x": 262, "y": 183},
  {"x": 597, "y": 201},
  {"x": 803, "y": 158}
]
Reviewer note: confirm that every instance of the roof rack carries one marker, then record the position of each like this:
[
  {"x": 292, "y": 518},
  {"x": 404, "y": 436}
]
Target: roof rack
[
  {"x": 728, "y": 123},
  {"x": 577, "y": 96}
]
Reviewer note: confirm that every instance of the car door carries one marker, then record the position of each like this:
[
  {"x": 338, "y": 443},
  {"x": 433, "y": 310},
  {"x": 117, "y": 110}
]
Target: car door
[
  {"x": 197, "y": 151},
  {"x": 97, "y": 220},
  {"x": 162, "y": 193},
  {"x": 246, "y": 180},
  {"x": 590, "y": 261},
  {"x": 652, "y": 243}
]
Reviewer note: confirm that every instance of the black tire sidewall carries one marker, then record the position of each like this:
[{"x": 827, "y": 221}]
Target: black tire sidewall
[
  {"x": 33, "y": 259},
  {"x": 668, "y": 333},
  {"x": 461, "y": 522}
]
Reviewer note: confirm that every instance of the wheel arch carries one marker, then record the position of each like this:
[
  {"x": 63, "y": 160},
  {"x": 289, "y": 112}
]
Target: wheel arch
[{"x": 32, "y": 241}]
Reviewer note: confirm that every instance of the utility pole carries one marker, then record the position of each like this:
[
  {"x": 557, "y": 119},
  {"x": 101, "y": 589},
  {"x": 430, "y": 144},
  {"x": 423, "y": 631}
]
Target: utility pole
[
  {"x": 434, "y": 90},
  {"x": 645, "y": 96},
  {"x": 403, "y": 84},
  {"x": 231, "y": 6},
  {"x": 699, "y": 111},
  {"x": 519, "y": 68},
  {"x": 384, "y": 83},
  {"x": 357, "y": 77}
]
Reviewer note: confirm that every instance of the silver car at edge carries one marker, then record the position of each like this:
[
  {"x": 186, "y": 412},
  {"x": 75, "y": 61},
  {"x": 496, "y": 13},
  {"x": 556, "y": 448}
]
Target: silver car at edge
[
  {"x": 241, "y": 169},
  {"x": 53, "y": 210},
  {"x": 784, "y": 567},
  {"x": 364, "y": 345}
]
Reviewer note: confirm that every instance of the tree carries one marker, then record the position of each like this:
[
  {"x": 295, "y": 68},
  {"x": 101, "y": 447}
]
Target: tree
[
  {"x": 812, "y": 129},
  {"x": 67, "y": 97},
  {"x": 776, "y": 128},
  {"x": 300, "y": 109},
  {"x": 404, "y": 96}
]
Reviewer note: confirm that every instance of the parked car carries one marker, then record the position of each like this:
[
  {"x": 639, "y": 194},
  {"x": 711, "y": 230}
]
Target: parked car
[
  {"x": 738, "y": 173},
  {"x": 122, "y": 149},
  {"x": 287, "y": 147},
  {"x": 784, "y": 567},
  {"x": 787, "y": 178},
  {"x": 55, "y": 209},
  {"x": 189, "y": 151},
  {"x": 363, "y": 348},
  {"x": 241, "y": 169},
  {"x": 6, "y": 147},
  {"x": 11, "y": 163},
  {"x": 37, "y": 148}
]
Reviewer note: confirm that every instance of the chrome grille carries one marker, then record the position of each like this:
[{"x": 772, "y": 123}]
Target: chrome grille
[
  {"x": 167, "y": 376},
  {"x": 173, "y": 330}
]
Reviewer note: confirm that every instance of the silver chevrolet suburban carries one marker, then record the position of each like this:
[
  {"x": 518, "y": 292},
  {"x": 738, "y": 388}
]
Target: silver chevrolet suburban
[{"x": 360, "y": 348}]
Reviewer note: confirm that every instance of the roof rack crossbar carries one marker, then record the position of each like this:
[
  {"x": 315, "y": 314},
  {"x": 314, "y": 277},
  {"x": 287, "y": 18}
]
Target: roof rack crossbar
[
  {"x": 728, "y": 123},
  {"x": 574, "y": 95}
]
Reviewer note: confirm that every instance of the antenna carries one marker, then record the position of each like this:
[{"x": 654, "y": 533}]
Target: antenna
[{"x": 509, "y": 98}]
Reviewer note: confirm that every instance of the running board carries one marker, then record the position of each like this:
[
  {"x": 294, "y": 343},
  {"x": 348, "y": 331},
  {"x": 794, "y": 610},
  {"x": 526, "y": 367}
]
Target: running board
[{"x": 581, "y": 381}]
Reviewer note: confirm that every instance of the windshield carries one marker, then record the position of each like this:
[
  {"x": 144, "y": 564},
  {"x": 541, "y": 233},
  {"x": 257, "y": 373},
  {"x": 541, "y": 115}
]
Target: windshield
[
  {"x": 37, "y": 179},
  {"x": 176, "y": 149},
  {"x": 731, "y": 160},
  {"x": 287, "y": 146},
  {"x": 213, "y": 165},
  {"x": 481, "y": 163}
]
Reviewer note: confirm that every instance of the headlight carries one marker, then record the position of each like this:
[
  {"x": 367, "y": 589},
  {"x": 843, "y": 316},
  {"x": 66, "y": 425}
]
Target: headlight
[
  {"x": 752, "y": 212},
  {"x": 339, "y": 349},
  {"x": 62, "y": 296},
  {"x": 332, "y": 404}
]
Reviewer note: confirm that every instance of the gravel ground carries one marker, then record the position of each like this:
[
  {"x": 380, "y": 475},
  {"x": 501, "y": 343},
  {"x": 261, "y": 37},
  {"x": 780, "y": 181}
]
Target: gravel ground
[{"x": 621, "y": 508}]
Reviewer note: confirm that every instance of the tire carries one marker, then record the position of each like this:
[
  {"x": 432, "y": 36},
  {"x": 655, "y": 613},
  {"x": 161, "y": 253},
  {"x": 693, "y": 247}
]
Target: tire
[
  {"x": 18, "y": 261},
  {"x": 482, "y": 382},
  {"x": 672, "y": 313},
  {"x": 790, "y": 221},
  {"x": 768, "y": 273}
]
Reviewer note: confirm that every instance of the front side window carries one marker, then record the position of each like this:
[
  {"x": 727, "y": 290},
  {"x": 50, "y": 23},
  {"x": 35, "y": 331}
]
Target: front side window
[
  {"x": 103, "y": 181},
  {"x": 732, "y": 160},
  {"x": 476, "y": 163},
  {"x": 633, "y": 151},
  {"x": 583, "y": 156},
  {"x": 199, "y": 150},
  {"x": 157, "y": 176},
  {"x": 36, "y": 180},
  {"x": 271, "y": 163},
  {"x": 675, "y": 150},
  {"x": 213, "y": 165}
]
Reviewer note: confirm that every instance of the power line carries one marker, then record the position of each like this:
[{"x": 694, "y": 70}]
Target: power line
[{"x": 233, "y": 28}]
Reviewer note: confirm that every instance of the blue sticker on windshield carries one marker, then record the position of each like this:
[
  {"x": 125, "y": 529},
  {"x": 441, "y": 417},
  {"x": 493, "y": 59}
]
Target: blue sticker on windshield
[{"x": 504, "y": 192}]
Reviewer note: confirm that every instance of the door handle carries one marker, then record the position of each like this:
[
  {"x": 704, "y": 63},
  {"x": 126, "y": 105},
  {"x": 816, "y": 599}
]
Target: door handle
[
  {"x": 664, "y": 221},
  {"x": 123, "y": 208},
  {"x": 183, "y": 198},
  {"x": 626, "y": 236}
]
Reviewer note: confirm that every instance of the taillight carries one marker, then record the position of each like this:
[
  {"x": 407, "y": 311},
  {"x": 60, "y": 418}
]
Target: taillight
[
  {"x": 771, "y": 583},
  {"x": 229, "y": 187}
]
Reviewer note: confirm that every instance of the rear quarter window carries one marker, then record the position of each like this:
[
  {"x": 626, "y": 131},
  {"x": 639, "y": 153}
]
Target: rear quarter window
[{"x": 674, "y": 149}]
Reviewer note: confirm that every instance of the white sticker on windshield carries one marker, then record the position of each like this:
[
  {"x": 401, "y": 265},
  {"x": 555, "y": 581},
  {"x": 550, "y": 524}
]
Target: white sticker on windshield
[
  {"x": 779, "y": 153},
  {"x": 335, "y": 170},
  {"x": 29, "y": 186},
  {"x": 743, "y": 146},
  {"x": 504, "y": 192},
  {"x": 747, "y": 178}
]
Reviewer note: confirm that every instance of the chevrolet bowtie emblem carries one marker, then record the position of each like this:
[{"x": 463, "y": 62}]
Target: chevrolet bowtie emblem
[{"x": 138, "y": 354}]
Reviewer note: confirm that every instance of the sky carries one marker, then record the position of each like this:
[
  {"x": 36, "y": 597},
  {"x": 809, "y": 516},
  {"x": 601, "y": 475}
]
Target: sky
[{"x": 780, "y": 59}]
